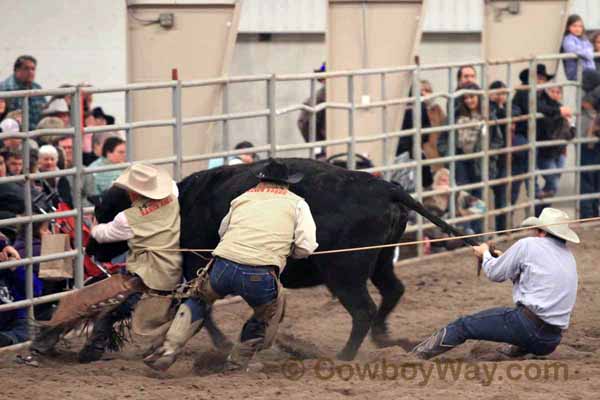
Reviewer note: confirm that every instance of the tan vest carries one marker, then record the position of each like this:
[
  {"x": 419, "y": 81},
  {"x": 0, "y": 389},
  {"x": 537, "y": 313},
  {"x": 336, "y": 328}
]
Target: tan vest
[
  {"x": 261, "y": 228},
  {"x": 155, "y": 223}
]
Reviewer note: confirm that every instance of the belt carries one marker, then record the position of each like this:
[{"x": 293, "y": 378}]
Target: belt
[{"x": 530, "y": 315}]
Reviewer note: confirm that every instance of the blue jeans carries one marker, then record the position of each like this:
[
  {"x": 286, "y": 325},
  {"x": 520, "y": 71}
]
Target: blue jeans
[
  {"x": 504, "y": 325},
  {"x": 551, "y": 180},
  {"x": 256, "y": 285},
  {"x": 16, "y": 331},
  {"x": 520, "y": 165},
  {"x": 590, "y": 181}
]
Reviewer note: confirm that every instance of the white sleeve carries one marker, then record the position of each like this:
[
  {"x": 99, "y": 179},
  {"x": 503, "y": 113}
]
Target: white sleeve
[
  {"x": 507, "y": 266},
  {"x": 175, "y": 190},
  {"x": 305, "y": 233},
  {"x": 115, "y": 231},
  {"x": 224, "y": 224}
]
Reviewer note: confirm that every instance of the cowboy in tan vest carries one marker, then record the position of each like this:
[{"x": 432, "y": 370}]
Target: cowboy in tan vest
[
  {"x": 152, "y": 221},
  {"x": 264, "y": 226}
]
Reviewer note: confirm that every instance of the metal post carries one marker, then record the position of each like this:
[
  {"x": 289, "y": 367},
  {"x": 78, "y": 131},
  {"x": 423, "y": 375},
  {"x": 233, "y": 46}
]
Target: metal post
[
  {"x": 28, "y": 211},
  {"x": 451, "y": 141},
  {"x": 272, "y": 119},
  {"x": 226, "y": 139},
  {"x": 384, "y": 127},
  {"x": 128, "y": 118},
  {"x": 312, "y": 127},
  {"x": 77, "y": 118},
  {"x": 177, "y": 131},
  {"x": 578, "y": 134},
  {"x": 508, "y": 133},
  {"x": 351, "y": 133},
  {"x": 485, "y": 144},
  {"x": 532, "y": 132},
  {"x": 416, "y": 85}
]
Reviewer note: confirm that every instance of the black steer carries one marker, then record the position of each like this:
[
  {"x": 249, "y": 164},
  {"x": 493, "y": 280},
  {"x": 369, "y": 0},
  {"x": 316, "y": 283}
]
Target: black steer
[{"x": 350, "y": 208}]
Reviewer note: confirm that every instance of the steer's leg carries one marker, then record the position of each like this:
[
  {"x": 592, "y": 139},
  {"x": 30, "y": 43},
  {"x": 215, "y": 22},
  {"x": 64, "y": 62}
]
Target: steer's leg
[
  {"x": 361, "y": 307},
  {"x": 391, "y": 289}
]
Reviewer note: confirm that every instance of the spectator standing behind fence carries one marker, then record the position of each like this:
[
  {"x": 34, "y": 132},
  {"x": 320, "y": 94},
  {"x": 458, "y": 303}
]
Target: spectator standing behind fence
[
  {"x": 58, "y": 108},
  {"x": 468, "y": 140},
  {"x": 321, "y": 121},
  {"x": 520, "y": 159},
  {"x": 498, "y": 140},
  {"x": 575, "y": 41},
  {"x": 113, "y": 152},
  {"x": 590, "y": 180},
  {"x": 596, "y": 44},
  {"x": 23, "y": 78},
  {"x": 552, "y": 127},
  {"x": 437, "y": 117}
]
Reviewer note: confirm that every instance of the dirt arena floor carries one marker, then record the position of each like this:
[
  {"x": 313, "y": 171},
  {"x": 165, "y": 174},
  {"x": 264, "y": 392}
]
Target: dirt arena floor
[{"x": 437, "y": 291}]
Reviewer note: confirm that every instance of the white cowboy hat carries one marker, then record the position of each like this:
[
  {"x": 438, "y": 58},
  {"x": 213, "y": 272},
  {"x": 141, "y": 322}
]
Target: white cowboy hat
[
  {"x": 56, "y": 106},
  {"x": 553, "y": 221},
  {"x": 146, "y": 180}
]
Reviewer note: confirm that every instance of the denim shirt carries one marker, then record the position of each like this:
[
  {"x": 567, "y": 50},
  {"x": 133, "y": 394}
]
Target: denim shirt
[{"x": 36, "y": 104}]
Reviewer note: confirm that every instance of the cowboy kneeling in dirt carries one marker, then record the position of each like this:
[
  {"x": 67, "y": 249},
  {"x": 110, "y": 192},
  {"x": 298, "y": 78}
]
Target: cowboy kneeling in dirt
[
  {"x": 263, "y": 227},
  {"x": 544, "y": 276},
  {"x": 153, "y": 221}
]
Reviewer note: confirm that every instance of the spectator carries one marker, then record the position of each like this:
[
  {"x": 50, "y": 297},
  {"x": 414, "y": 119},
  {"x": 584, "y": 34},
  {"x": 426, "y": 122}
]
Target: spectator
[
  {"x": 575, "y": 41},
  {"x": 17, "y": 115},
  {"x": 321, "y": 121},
  {"x": 468, "y": 140},
  {"x": 48, "y": 162},
  {"x": 9, "y": 125},
  {"x": 3, "y": 109},
  {"x": 404, "y": 151},
  {"x": 14, "y": 162},
  {"x": 50, "y": 123},
  {"x": 596, "y": 43},
  {"x": 590, "y": 180},
  {"x": 552, "y": 127},
  {"x": 113, "y": 152},
  {"x": 23, "y": 78},
  {"x": 101, "y": 119},
  {"x": 437, "y": 117},
  {"x": 520, "y": 159},
  {"x": 466, "y": 75},
  {"x": 498, "y": 141},
  {"x": 439, "y": 205},
  {"x": 246, "y": 158},
  {"x": 13, "y": 324},
  {"x": 2, "y": 165},
  {"x": 60, "y": 109},
  {"x": 41, "y": 287},
  {"x": 66, "y": 184}
]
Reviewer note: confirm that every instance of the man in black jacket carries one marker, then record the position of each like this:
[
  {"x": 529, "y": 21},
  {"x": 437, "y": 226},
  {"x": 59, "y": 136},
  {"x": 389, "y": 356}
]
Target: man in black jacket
[
  {"x": 520, "y": 159},
  {"x": 552, "y": 127}
]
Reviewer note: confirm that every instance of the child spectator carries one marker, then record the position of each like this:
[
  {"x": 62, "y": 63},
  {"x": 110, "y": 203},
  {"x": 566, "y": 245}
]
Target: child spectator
[
  {"x": 437, "y": 117},
  {"x": 439, "y": 205},
  {"x": 14, "y": 162},
  {"x": 575, "y": 41}
]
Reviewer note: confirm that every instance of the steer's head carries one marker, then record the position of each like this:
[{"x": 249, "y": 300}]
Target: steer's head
[{"x": 113, "y": 201}]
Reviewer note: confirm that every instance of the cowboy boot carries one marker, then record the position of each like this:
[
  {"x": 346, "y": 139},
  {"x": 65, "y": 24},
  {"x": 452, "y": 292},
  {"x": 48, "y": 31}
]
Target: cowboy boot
[
  {"x": 432, "y": 346},
  {"x": 98, "y": 341},
  {"x": 188, "y": 321}
]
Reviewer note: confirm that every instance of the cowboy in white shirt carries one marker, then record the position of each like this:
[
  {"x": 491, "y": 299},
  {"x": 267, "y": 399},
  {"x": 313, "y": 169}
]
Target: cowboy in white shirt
[{"x": 544, "y": 276}]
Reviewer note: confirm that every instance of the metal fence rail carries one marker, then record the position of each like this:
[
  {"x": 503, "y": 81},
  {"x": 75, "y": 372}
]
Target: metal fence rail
[{"x": 272, "y": 148}]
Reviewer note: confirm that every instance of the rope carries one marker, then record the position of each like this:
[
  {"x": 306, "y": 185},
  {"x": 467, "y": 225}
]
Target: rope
[{"x": 403, "y": 244}]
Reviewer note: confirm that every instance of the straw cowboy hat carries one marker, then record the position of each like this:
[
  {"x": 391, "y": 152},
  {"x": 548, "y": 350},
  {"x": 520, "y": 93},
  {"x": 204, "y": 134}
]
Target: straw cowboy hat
[
  {"x": 146, "y": 180},
  {"x": 557, "y": 222}
]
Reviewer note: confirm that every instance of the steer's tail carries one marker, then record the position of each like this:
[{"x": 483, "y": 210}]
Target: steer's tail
[{"x": 407, "y": 200}]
